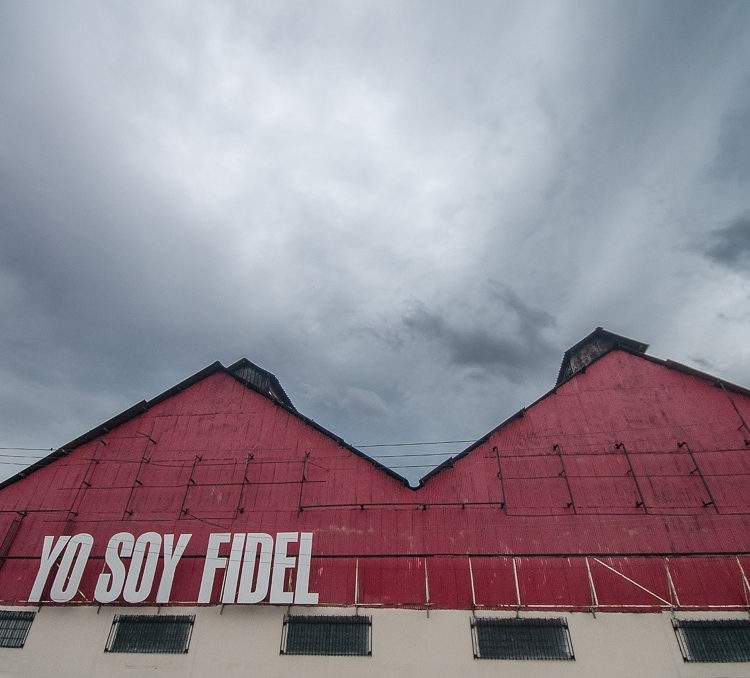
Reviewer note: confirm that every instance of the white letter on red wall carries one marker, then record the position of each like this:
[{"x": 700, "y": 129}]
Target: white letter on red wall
[
  {"x": 50, "y": 554},
  {"x": 109, "y": 586},
  {"x": 140, "y": 577},
  {"x": 233, "y": 568},
  {"x": 248, "y": 594},
  {"x": 302, "y": 595},
  {"x": 69, "y": 573},
  {"x": 213, "y": 562},
  {"x": 281, "y": 563}
]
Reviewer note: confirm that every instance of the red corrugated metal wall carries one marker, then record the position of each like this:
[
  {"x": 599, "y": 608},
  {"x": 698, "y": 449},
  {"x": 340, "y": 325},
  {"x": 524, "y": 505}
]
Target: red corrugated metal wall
[{"x": 575, "y": 504}]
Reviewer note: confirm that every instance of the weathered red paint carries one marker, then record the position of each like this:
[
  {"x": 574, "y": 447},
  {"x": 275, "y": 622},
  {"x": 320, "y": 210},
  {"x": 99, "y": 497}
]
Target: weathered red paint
[{"x": 629, "y": 465}]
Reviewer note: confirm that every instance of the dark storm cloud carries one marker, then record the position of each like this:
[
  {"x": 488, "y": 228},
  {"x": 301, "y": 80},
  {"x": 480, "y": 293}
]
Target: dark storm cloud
[
  {"x": 704, "y": 364},
  {"x": 504, "y": 334},
  {"x": 730, "y": 245},
  {"x": 732, "y": 160},
  {"x": 467, "y": 346}
]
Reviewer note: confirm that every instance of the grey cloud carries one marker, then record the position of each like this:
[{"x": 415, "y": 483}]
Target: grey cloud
[
  {"x": 730, "y": 245},
  {"x": 742, "y": 317},
  {"x": 732, "y": 161},
  {"x": 349, "y": 399},
  {"x": 503, "y": 334},
  {"x": 703, "y": 363}
]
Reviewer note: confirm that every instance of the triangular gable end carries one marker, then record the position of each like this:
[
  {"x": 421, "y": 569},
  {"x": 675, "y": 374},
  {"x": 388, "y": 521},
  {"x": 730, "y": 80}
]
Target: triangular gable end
[
  {"x": 583, "y": 355},
  {"x": 243, "y": 371}
]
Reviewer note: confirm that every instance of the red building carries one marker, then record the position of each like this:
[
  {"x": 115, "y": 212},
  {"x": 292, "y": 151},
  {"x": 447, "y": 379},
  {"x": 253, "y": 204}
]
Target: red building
[{"x": 626, "y": 488}]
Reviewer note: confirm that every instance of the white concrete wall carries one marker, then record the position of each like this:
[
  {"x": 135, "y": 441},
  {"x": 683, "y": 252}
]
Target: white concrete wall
[{"x": 244, "y": 641}]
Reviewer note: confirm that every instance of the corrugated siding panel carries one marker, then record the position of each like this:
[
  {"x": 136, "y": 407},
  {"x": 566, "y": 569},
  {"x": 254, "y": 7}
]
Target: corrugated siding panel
[
  {"x": 494, "y": 582},
  {"x": 392, "y": 581},
  {"x": 699, "y": 580},
  {"x": 602, "y": 495},
  {"x": 600, "y": 483},
  {"x": 553, "y": 581},
  {"x": 727, "y": 473},
  {"x": 678, "y": 494},
  {"x": 157, "y": 502},
  {"x": 185, "y": 587},
  {"x": 450, "y": 582},
  {"x": 212, "y": 502},
  {"x": 102, "y": 503},
  {"x": 615, "y": 591},
  {"x": 334, "y": 579},
  {"x": 537, "y": 496}
]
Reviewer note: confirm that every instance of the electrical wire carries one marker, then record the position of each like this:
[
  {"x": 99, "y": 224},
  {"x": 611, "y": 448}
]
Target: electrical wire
[
  {"x": 527, "y": 439},
  {"x": 433, "y": 442},
  {"x": 40, "y": 449},
  {"x": 503, "y": 453}
]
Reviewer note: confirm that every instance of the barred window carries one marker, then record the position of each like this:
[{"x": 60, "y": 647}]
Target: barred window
[
  {"x": 150, "y": 633},
  {"x": 14, "y": 627},
  {"x": 511, "y": 638},
  {"x": 327, "y": 635},
  {"x": 713, "y": 640}
]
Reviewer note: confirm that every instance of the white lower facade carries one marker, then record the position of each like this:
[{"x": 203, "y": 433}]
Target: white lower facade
[{"x": 245, "y": 641}]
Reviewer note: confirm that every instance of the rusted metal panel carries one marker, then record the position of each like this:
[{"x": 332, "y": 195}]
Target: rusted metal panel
[
  {"x": 551, "y": 582},
  {"x": 392, "y": 581},
  {"x": 537, "y": 496},
  {"x": 631, "y": 583},
  {"x": 714, "y": 581},
  {"x": 727, "y": 475},
  {"x": 450, "y": 583},
  {"x": 102, "y": 503},
  {"x": 8, "y": 534},
  {"x": 614, "y": 495},
  {"x": 494, "y": 582},
  {"x": 213, "y": 501},
  {"x": 338, "y": 579}
]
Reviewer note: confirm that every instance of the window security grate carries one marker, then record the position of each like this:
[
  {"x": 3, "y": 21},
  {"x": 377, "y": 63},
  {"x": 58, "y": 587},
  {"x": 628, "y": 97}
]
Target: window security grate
[
  {"x": 150, "y": 633},
  {"x": 327, "y": 635},
  {"x": 713, "y": 640},
  {"x": 14, "y": 627},
  {"x": 511, "y": 638}
]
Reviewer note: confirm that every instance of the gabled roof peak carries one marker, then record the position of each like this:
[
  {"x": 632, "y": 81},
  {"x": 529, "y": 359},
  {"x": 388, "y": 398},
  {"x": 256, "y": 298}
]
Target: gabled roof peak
[{"x": 593, "y": 347}]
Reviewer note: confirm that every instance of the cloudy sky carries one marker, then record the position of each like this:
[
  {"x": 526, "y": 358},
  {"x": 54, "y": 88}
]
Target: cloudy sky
[{"x": 406, "y": 211}]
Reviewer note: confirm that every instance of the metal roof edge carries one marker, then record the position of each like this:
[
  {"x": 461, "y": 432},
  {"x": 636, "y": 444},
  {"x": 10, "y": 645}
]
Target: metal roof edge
[{"x": 685, "y": 369}]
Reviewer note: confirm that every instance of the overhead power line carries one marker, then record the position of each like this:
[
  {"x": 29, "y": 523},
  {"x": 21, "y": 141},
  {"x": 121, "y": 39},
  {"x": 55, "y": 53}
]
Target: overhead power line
[
  {"x": 432, "y": 442},
  {"x": 31, "y": 449}
]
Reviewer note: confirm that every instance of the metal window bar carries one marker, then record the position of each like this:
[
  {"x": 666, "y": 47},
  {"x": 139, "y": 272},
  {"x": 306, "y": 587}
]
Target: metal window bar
[
  {"x": 714, "y": 640},
  {"x": 512, "y": 638},
  {"x": 167, "y": 634},
  {"x": 14, "y": 627},
  {"x": 327, "y": 635}
]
